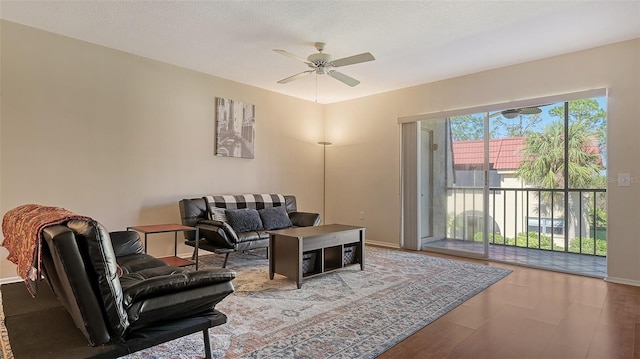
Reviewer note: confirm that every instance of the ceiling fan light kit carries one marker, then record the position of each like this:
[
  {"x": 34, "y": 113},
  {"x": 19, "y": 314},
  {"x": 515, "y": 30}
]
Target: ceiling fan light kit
[
  {"x": 513, "y": 113},
  {"x": 322, "y": 63}
]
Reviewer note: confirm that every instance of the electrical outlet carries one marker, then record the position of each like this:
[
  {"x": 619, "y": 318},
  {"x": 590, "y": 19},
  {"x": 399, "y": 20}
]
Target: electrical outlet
[
  {"x": 362, "y": 215},
  {"x": 624, "y": 179}
]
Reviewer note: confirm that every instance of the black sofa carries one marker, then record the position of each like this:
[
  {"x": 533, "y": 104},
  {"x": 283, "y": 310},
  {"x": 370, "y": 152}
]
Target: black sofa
[
  {"x": 220, "y": 237},
  {"x": 119, "y": 296}
]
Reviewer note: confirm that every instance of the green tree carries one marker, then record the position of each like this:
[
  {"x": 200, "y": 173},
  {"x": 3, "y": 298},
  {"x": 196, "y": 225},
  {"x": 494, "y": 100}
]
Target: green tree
[
  {"x": 467, "y": 128},
  {"x": 517, "y": 127},
  {"x": 543, "y": 157},
  {"x": 594, "y": 117},
  {"x": 543, "y": 165},
  {"x": 586, "y": 110},
  {"x": 471, "y": 127}
]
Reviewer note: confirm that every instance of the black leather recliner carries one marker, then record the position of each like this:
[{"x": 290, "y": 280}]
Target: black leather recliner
[
  {"x": 218, "y": 237},
  {"x": 119, "y": 295}
]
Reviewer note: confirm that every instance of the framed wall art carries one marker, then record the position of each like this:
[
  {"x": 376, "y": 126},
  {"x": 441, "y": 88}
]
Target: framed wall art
[{"x": 235, "y": 128}]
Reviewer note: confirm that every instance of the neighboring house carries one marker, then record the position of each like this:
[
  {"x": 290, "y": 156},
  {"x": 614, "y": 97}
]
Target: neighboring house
[
  {"x": 510, "y": 208},
  {"x": 505, "y": 156}
]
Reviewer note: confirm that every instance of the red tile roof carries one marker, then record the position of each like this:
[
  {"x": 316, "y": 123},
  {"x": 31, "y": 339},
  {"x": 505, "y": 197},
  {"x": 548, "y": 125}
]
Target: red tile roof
[{"x": 504, "y": 153}]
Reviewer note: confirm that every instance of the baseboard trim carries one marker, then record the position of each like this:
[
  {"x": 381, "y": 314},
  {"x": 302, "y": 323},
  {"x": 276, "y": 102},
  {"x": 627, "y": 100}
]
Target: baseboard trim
[
  {"x": 189, "y": 254},
  {"x": 185, "y": 255},
  {"x": 382, "y": 244},
  {"x": 10, "y": 280},
  {"x": 634, "y": 283}
]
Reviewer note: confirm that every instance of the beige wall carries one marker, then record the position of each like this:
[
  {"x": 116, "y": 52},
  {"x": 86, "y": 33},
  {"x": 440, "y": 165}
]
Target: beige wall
[
  {"x": 123, "y": 138},
  {"x": 364, "y": 164}
]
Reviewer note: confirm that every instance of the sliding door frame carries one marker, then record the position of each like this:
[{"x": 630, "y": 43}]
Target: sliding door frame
[{"x": 410, "y": 173}]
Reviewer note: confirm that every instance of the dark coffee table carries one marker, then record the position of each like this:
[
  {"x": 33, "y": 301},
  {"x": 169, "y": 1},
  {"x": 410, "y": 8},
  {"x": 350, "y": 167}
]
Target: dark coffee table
[{"x": 302, "y": 252}]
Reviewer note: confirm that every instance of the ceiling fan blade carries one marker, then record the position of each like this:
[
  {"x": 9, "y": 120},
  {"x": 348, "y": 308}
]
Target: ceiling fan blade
[
  {"x": 530, "y": 110},
  {"x": 515, "y": 112},
  {"x": 295, "y": 77},
  {"x": 288, "y": 54},
  {"x": 355, "y": 59},
  {"x": 343, "y": 78}
]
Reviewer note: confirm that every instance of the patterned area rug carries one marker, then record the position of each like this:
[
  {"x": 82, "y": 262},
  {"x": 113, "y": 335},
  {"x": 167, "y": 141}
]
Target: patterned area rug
[{"x": 348, "y": 313}]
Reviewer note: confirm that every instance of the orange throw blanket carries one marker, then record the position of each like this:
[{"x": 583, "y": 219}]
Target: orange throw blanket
[{"x": 22, "y": 228}]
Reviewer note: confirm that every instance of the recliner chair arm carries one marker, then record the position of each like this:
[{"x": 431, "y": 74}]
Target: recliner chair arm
[
  {"x": 305, "y": 219},
  {"x": 159, "y": 281}
]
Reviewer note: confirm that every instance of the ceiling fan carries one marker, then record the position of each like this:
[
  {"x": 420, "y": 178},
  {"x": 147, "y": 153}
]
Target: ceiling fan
[
  {"x": 515, "y": 112},
  {"x": 322, "y": 63}
]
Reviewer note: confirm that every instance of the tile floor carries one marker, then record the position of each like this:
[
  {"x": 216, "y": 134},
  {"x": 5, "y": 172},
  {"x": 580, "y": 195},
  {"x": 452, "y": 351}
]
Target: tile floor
[{"x": 591, "y": 266}]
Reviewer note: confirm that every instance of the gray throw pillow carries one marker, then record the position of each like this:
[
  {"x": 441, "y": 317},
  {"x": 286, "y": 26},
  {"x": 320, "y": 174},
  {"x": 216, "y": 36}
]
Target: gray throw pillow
[
  {"x": 275, "y": 218},
  {"x": 244, "y": 220}
]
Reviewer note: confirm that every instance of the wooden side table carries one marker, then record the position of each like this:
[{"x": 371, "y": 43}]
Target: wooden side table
[{"x": 166, "y": 228}]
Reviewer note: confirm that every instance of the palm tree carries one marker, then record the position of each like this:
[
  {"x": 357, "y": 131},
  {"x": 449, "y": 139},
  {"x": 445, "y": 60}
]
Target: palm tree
[{"x": 543, "y": 165}]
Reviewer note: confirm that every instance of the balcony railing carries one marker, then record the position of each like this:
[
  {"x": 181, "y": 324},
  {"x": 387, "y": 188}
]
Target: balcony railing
[{"x": 531, "y": 217}]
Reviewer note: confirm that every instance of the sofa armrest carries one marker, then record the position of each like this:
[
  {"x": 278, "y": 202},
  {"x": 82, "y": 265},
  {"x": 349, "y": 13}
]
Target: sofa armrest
[
  {"x": 217, "y": 233},
  {"x": 159, "y": 281},
  {"x": 305, "y": 219}
]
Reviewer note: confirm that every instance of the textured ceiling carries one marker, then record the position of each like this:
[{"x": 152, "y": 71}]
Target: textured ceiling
[{"x": 414, "y": 42}]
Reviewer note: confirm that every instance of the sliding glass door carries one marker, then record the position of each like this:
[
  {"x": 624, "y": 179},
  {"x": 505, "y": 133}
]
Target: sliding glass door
[
  {"x": 456, "y": 181},
  {"x": 531, "y": 177}
]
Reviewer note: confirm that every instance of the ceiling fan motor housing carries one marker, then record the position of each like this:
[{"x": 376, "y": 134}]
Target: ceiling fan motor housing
[{"x": 320, "y": 59}]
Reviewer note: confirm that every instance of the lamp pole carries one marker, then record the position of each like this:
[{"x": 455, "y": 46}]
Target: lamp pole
[{"x": 324, "y": 178}]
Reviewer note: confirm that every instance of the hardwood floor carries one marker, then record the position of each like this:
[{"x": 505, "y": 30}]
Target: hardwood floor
[{"x": 534, "y": 314}]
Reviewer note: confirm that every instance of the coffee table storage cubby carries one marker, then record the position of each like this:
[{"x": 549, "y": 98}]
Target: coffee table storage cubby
[{"x": 303, "y": 252}]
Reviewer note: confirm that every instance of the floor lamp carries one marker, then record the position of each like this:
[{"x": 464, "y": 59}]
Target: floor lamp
[{"x": 324, "y": 179}]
